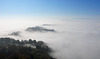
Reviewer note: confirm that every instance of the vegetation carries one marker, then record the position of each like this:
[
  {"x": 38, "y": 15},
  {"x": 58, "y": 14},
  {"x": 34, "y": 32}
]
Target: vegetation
[
  {"x": 39, "y": 29},
  {"x": 15, "y": 49}
]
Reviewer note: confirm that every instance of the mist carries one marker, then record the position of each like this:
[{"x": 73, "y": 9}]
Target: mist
[{"x": 73, "y": 39}]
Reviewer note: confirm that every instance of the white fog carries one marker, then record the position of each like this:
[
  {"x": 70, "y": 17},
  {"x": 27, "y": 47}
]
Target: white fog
[{"x": 73, "y": 39}]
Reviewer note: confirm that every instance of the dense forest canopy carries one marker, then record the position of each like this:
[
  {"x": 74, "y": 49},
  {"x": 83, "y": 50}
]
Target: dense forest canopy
[{"x": 16, "y": 49}]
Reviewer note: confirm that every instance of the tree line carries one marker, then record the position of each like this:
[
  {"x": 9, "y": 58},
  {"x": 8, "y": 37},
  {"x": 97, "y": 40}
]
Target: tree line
[{"x": 16, "y": 49}]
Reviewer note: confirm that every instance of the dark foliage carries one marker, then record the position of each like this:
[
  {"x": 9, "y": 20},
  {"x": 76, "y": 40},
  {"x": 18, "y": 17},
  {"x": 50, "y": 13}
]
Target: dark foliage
[
  {"x": 15, "y": 33},
  {"x": 15, "y": 49},
  {"x": 39, "y": 29}
]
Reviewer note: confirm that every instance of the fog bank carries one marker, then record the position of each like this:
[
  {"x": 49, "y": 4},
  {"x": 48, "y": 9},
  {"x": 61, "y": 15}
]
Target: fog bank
[{"x": 73, "y": 39}]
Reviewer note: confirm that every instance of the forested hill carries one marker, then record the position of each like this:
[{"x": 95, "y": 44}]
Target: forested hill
[{"x": 16, "y": 49}]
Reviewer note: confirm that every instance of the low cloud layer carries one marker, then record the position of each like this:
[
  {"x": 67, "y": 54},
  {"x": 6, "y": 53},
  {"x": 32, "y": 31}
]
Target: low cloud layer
[{"x": 75, "y": 39}]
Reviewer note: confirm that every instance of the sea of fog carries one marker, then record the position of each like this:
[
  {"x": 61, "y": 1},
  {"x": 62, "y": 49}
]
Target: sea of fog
[{"x": 73, "y": 39}]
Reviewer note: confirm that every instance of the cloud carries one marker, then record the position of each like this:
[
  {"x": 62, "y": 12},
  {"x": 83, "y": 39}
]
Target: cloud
[
  {"x": 75, "y": 39},
  {"x": 39, "y": 29}
]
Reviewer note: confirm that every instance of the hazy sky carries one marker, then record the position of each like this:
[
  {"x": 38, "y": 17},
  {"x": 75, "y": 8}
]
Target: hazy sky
[{"x": 51, "y": 8}]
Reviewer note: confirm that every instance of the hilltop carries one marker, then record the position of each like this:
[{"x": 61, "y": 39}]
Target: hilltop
[{"x": 16, "y": 49}]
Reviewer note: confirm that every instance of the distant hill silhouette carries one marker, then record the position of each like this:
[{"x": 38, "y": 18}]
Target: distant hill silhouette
[
  {"x": 47, "y": 25},
  {"x": 17, "y": 33},
  {"x": 39, "y": 29}
]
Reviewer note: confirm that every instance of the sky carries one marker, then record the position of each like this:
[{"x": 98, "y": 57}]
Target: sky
[
  {"x": 75, "y": 39},
  {"x": 82, "y": 9}
]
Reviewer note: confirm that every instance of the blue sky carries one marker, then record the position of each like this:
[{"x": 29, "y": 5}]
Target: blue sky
[{"x": 51, "y": 8}]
